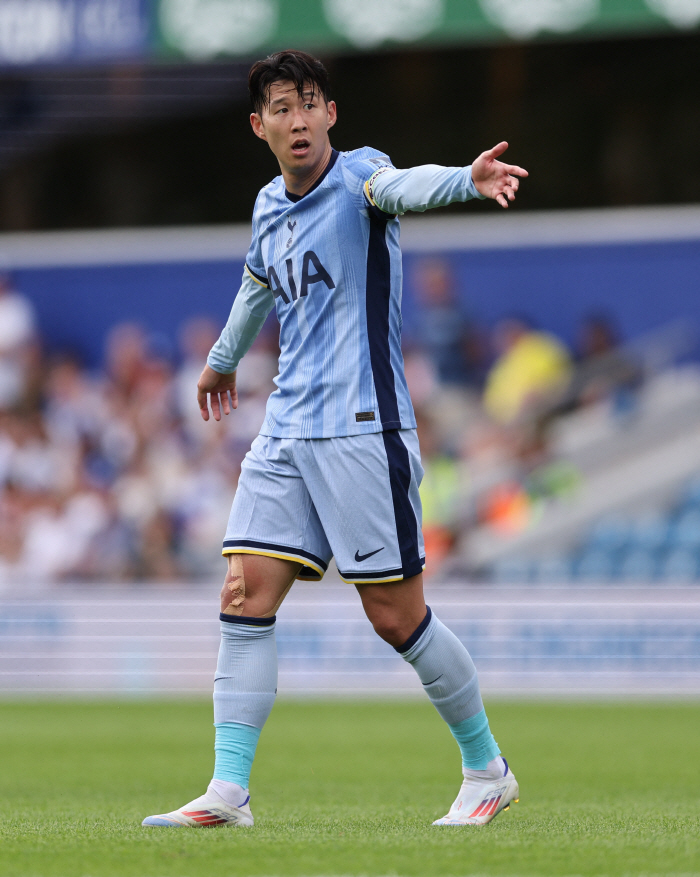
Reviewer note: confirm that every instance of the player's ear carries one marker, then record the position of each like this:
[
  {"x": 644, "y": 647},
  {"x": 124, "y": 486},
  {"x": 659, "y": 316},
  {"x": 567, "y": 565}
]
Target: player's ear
[
  {"x": 332, "y": 114},
  {"x": 257, "y": 125}
]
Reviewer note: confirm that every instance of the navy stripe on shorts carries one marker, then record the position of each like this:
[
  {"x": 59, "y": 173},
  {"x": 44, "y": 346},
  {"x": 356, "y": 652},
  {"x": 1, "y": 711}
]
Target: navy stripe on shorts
[{"x": 406, "y": 523}]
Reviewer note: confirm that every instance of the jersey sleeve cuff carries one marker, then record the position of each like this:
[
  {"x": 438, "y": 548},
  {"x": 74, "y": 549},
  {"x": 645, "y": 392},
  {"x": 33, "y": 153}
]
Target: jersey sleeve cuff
[
  {"x": 257, "y": 276},
  {"x": 471, "y": 188},
  {"x": 223, "y": 368}
]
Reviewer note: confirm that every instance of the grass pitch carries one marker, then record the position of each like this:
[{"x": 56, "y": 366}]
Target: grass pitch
[{"x": 349, "y": 789}]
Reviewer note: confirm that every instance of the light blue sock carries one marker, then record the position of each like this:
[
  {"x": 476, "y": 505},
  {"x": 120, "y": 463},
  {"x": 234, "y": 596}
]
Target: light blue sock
[
  {"x": 235, "y": 750},
  {"x": 449, "y": 678},
  {"x": 245, "y": 686},
  {"x": 475, "y": 741}
]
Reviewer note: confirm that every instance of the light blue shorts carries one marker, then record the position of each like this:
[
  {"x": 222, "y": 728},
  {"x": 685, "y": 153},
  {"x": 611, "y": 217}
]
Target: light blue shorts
[{"x": 354, "y": 498}]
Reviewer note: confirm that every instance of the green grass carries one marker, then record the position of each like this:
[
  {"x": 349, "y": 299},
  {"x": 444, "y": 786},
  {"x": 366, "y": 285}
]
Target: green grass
[{"x": 349, "y": 789}]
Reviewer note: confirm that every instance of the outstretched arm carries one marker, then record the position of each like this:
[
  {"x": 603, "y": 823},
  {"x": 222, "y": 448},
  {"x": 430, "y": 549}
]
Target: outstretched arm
[
  {"x": 218, "y": 380},
  {"x": 427, "y": 186}
]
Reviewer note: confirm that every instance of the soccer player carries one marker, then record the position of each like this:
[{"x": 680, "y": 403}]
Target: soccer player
[{"x": 336, "y": 467}]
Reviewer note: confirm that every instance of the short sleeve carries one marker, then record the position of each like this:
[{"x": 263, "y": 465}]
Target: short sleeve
[
  {"x": 360, "y": 167},
  {"x": 254, "y": 263}
]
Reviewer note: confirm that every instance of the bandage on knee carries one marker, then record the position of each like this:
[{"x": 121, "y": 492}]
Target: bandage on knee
[{"x": 235, "y": 582}]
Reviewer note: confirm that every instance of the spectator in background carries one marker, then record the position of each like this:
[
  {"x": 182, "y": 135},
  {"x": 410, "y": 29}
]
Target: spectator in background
[
  {"x": 532, "y": 371},
  {"x": 421, "y": 376},
  {"x": 448, "y": 337},
  {"x": 440, "y": 491},
  {"x": 104, "y": 480},
  {"x": 18, "y": 346},
  {"x": 197, "y": 337},
  {"x": 257, "y": 377},
  {"x": 127, "y": 358},
  {"x": 605, "y": 369},
  {"x": 254, "y": 382},
  {"x": 598, "y": 336}
]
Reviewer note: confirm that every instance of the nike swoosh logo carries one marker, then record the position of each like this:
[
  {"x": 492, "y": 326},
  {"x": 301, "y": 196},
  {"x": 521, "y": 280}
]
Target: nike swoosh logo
[
  {"x": 360, "y": 557},
  {"x": 434, "y": 680}
]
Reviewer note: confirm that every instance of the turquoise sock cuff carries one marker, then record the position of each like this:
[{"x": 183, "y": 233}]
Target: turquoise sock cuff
[
  {"x": 235, "y": 747},
  {"x": 475, "y": 741}
]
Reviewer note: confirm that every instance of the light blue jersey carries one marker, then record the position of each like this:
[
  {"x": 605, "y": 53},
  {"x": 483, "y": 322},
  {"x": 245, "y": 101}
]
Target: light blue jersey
[
  {"x": 330, "y": 263},
  {"x": 333, "y": 264}
]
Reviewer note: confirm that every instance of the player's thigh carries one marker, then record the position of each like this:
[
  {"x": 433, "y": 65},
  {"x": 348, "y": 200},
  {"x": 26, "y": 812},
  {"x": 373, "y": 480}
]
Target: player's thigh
[
  {"x": 256, "y": 585},
  {"x": 365, "y": 490},
  {"x": 272, "y": 514}
]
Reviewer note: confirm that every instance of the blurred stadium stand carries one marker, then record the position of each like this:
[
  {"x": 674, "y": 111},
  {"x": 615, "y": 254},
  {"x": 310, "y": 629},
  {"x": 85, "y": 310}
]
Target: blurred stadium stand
[
  {"x": 60, "y": 31},
  {"x": 133, "y": 112},
  {"x": 640, "y": 264},
  {"x": 553, "y": 642},
  {"x": 633, "y": 513},
  {"x": 43, "y": 108},
  {"x": 533, "y": 435}
]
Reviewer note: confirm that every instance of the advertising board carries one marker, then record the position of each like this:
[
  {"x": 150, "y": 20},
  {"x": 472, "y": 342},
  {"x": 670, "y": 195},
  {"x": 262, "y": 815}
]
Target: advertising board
[{"x": 162, "y": 640}]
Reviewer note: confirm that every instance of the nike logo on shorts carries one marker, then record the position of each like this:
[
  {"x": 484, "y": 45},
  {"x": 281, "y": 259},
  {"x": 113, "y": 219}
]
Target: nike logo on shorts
[{"x": 360, "y": 557}]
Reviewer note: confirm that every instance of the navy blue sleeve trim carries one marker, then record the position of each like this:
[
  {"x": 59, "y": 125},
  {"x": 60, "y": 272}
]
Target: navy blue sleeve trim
[
  {"x": 417, "y": 633},
  {"x": 261, "y": 278},
  {"x": 247, "y": 619}
]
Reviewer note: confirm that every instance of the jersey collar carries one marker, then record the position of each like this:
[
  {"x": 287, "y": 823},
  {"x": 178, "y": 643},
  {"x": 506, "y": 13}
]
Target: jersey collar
[{"x": 329, "y": 167}]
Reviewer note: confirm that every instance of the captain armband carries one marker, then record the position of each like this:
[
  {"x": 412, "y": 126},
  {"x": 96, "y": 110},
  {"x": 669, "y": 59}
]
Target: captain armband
[{"x": 369, "y": 185}]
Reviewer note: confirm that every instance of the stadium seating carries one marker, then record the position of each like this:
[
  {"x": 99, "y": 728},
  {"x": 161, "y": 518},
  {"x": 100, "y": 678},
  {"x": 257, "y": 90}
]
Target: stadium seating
[{"x": 661, "y": 547}]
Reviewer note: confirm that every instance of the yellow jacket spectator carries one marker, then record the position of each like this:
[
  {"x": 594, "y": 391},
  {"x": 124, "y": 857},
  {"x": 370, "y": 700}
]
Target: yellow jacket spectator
[{"x": 533, "y": 367}]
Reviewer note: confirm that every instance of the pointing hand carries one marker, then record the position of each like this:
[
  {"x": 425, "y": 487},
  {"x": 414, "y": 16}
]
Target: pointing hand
[{"x": 493, "y": 178}]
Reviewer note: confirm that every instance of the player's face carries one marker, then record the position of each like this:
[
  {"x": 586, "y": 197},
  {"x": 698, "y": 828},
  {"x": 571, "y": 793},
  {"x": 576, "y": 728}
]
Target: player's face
[{"x": 296, "y": 127}]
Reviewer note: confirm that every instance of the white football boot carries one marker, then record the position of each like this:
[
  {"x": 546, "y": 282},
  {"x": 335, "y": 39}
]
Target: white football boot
[
  {"x": 481, "y": 799},
  {"x": 206, "y": 811}
]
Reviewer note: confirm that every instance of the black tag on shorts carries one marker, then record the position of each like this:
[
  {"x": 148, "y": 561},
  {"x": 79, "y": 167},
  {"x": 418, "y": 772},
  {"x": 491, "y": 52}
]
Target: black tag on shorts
[{"x": 362, "y": 416}]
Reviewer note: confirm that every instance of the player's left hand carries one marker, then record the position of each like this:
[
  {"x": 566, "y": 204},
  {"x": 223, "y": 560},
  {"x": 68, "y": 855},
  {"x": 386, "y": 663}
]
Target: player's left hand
[{"x": 493, "y": 178}]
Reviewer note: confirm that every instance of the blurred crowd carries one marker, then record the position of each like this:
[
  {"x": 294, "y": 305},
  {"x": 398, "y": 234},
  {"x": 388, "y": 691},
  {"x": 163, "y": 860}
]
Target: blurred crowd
[
  {"x": 486, "y": 402},
  {"x": 112, "y": 475}
]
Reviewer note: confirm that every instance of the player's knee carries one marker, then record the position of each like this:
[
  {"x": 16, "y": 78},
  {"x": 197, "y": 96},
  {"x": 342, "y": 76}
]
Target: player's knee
[
  {"x": 233, "y": 592},
  {"x": 390, "y": 629}
]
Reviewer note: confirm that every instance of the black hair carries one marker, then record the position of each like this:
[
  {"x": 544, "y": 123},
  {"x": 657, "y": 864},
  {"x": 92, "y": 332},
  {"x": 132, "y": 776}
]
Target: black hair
[{"x": 291, "y": 65}]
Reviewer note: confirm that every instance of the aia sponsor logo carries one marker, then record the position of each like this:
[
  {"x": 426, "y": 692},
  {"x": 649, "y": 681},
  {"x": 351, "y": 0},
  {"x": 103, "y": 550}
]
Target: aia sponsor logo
[{"x": 312, "y": 271}]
